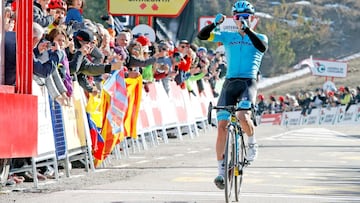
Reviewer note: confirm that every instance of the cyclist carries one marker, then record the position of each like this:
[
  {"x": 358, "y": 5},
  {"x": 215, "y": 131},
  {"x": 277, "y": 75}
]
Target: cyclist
[{"x": 244, "y": 50}]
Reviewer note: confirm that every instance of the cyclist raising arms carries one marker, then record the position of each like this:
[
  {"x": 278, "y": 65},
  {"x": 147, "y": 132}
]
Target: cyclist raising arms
[{"x": 244, "y": 50}]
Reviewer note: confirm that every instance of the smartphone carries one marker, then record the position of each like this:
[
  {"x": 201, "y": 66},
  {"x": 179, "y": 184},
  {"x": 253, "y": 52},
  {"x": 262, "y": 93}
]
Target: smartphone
[{"x": 50, "y": 44}]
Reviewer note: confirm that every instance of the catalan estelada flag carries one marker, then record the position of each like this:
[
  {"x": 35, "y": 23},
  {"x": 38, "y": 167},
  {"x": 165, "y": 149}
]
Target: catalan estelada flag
[
  {"x": 116, "y": 88},
  {"x": 114, "y": 105},
  {"x": 134, "y": 89}
]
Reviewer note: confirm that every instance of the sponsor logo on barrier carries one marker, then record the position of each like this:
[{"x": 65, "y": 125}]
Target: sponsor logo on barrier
[
  {"x": 357, "y": 118},
  {"x": 322, "y": 116},
  {"x": 309, "y": 120},
  {"x": 286, "y": 120},
  {"x": 312, "y": 118},
  {"x": 341, "y": 115}
]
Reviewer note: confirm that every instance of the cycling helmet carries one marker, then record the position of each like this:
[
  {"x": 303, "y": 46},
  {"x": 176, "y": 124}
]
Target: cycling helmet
[
  {"x": 54, "y": 4},
  {"x": 243, "y": 7}
]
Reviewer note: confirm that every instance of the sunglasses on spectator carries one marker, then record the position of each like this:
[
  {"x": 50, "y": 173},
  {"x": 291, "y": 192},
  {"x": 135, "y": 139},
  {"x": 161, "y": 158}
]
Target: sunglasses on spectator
[
  {"x": 241, "y": 15},
  {"x": 183, "y": 46}
]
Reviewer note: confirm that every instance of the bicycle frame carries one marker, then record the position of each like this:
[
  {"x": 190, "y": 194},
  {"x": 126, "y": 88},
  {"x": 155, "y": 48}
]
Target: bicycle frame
[{"x": 235, "y": 152}]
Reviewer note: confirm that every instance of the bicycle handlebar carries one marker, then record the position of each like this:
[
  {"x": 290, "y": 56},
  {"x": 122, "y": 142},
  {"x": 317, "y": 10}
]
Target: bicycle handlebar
[{"x": 229, "y": 108}]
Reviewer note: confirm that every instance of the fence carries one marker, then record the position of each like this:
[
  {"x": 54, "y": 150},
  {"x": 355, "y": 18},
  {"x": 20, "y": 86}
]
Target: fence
[{"x": 64, "y": 133}]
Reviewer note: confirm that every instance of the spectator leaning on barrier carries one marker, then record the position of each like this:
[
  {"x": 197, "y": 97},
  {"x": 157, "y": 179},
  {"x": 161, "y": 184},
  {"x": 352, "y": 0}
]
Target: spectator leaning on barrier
[
  {"x": 164, "y": 71},
  {"x": 82, "y": 67},
  {"x": 59, "y": 36},
  {"x": 122, "y": 41},
  {"x": 306, "y": 103},
  {"x": 293, "y": 102},
  {"x": 185, "y": 63},
  {"x": 196, "y": 74},
  {"x": 332, "y": 100},
  {"x": 54, "y": 82},
  {"x": 347, "y": 97},
  {"x": 357, "y": 96},
  {"x": 261, "y": 105},
  {"x": 282, "y": 104},
  {"x": 319, "y": 99},
  {"x": 135, "y": 61},
  {"x": 273, "y": 105},
  {"x": 44, "y": 69}
]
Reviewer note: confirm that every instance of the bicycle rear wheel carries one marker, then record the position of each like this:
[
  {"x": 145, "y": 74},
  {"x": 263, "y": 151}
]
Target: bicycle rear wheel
[
  {"x": 229, "y": 160},
  {"x": 240, "y": 167}
]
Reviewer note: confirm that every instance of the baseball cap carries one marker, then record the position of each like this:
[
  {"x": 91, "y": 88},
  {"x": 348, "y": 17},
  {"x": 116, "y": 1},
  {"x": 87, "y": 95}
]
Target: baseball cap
[{"x": 202, "y": 49}]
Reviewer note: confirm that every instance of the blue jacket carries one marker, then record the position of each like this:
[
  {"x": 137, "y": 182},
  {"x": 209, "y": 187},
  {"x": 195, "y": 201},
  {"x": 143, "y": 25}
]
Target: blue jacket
[
  {"x": 44, "y": 68},
  {"x": 73, "y": 14}
]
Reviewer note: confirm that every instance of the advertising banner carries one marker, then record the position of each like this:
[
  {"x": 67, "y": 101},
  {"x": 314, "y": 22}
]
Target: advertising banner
[
  {"x": 291, "y": 118},
  {"x": 312, "y": 118},
  {"x": 329, "y": 68},
  {"x": 346, "y": 117},
  {"x": 271, "y": 119},
  {"x": 327, "y": 116}
]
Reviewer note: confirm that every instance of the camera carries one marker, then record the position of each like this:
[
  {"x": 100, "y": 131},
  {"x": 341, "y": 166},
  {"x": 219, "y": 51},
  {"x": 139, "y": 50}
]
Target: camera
[
  {"x": 50, "y": 44},
  {"x": 105, "y": 17}
]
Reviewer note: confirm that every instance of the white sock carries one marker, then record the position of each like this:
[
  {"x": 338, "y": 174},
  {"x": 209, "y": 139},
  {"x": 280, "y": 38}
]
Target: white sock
[
  {"x": 251, "y": 139},
  {"x": 221, "y": 167}
]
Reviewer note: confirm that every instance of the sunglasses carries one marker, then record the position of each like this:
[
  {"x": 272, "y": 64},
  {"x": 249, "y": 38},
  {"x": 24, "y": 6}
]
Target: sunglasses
[
  {"x": 183, "y": 46},
  {"x": 241, "y": 15}
]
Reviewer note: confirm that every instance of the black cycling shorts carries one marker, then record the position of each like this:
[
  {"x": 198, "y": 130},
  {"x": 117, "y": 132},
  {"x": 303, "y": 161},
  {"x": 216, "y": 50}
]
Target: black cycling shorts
[{"x": 234, "y": 90}]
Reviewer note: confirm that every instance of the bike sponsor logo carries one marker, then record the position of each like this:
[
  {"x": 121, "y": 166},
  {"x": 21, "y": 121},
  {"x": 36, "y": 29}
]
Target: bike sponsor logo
[{"x": 357, "y": 118}]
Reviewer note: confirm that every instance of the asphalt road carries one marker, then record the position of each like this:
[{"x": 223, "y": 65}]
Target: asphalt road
[{"x": 307, "y": 164}]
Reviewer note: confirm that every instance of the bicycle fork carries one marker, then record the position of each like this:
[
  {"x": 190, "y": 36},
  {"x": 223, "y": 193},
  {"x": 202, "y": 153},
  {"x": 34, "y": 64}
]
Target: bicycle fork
[{"x": 237, "y": 136}]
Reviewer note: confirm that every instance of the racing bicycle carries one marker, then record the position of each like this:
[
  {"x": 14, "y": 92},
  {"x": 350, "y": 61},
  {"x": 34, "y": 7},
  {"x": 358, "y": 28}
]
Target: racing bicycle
[{"x": 235, "y": 149}]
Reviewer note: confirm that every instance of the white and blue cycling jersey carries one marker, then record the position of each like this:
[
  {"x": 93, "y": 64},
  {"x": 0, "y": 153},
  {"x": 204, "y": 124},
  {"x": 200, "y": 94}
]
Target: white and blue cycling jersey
[{"x": 243, "y": 59}]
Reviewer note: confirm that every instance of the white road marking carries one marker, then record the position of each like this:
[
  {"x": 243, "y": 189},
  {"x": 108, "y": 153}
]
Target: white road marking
[
  {"x": 122, "y": 166},
  {"x": 213, "y": 194},
  {"x": 143, "y": 161},
  {"x": 161, "y": 158},
  {"x": 309, "y": 133}
]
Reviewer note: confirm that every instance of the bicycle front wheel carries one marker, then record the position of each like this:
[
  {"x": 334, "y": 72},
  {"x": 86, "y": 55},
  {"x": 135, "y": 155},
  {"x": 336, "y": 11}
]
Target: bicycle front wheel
[
  {"x": 229, "y": 160},
  {"x": 240, "y": 167}
]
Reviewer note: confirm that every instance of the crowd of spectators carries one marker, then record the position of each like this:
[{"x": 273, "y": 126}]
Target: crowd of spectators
[
  {"x": 305, "y": 101},
  {"x": 69, "y": 47}
]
